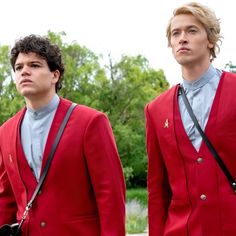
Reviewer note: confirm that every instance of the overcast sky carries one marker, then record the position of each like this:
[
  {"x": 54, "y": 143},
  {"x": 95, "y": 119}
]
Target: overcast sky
[{"x": 118, "y": 27}]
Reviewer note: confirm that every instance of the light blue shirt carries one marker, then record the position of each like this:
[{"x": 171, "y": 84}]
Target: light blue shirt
[
  {"x": 200, "y": 94},
  {"x": 34, "y": 132}
]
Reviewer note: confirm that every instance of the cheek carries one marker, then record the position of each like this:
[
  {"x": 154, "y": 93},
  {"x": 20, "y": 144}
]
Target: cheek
[
  {"x": 17, "y": 86},
  {"x": 173, "y": 51},
  {"x": 17, "y": 80},
  {"x": 173, "y": 45}
]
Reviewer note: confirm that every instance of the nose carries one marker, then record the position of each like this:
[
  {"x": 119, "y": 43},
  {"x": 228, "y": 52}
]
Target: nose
[
  {"x": 25, "y": 70},
  {"x": 183, "y": 38}
]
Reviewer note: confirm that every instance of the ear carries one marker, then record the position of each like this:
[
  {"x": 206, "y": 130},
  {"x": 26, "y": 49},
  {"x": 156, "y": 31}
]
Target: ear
[
  {"x": 56, "y": 76},
  {"x": 210, "y": 45}
]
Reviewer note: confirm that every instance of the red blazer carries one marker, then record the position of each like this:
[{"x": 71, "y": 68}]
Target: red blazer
[
  {"x": 84, "y": 191},
  {"x": 187, "y": 192}
]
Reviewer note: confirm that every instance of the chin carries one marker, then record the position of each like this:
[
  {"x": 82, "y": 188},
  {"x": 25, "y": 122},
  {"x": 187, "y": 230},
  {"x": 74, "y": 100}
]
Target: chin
[
  {"x": 27, "y": 93},
  {"x": 184, "y": 62}
]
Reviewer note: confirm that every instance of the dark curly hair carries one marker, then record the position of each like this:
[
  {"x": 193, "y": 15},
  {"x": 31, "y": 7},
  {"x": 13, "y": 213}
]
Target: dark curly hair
[{"x": 43, "y": 47}]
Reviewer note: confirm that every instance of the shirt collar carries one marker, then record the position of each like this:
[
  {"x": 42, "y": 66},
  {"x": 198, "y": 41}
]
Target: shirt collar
[
  {"x": 43, "y": 111},
  {"x": 204, "y": 79}
]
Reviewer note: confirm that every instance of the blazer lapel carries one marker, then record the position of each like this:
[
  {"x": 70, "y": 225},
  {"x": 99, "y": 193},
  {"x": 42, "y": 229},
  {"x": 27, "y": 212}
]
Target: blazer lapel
[
  {"x": 11, "y": 160},
  {"x": 58, "y": 118}
]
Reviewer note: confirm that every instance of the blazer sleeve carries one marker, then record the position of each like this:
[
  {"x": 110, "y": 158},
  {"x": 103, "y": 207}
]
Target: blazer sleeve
[
  {"x": 106, "y": 175},
  {"x": 157, "y": 182},
  {"x": 8, "y": 206}
]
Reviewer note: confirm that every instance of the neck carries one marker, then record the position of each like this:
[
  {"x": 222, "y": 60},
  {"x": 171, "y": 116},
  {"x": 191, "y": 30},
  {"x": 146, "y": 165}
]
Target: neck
[
  {"x": 34, "y": 102},
  {"x": 194, "y": 72}
]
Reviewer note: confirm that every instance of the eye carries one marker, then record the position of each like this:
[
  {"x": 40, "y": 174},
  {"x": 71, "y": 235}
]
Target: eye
[
  {"x": 18, "y": 68},
  {"x": 175, "y": 33},
  {"x": 34, "y": 65},
  {"x": 192, "y": 31}
]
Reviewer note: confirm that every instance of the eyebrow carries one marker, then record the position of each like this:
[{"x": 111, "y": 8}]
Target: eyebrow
[
  {"x": 29, "y": 62},
  {"x": 186, "y": 27}
]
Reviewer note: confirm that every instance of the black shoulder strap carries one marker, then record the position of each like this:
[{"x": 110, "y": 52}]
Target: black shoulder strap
[
  {"x": 207, "y": 141},
  {"x": 49, "y": 160}
]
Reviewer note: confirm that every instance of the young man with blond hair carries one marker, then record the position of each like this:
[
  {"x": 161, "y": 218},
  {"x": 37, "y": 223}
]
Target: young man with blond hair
[{"x": 189, "y": 193}]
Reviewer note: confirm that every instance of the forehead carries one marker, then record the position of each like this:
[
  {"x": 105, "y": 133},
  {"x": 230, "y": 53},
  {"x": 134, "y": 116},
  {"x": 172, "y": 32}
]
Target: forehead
[
  {"x": 31, "y": 56},
  {"x": 184, "y": 21}
]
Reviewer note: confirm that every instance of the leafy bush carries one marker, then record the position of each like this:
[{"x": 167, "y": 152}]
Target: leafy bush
[
  {"x": 138, "y": 194},
  {"x": 128, "y": 173}
]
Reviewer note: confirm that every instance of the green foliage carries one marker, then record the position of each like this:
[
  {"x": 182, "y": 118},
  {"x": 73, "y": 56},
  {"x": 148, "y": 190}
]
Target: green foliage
[
  {"x": 5, "y": 70},
  {"x": 231, "y": 67},
  {"x": 132, "y": 84},
  {"x": 10, "y": 101},
  {"x": 128, "y": 173},
  {"x": 137, "y": 194},
  {"x": 120, "y": 89},
  {"x": 136, "y": 210},
  {"x": 136, "y": 217}
]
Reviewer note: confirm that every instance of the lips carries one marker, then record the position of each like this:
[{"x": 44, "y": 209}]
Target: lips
[
  {"x": 183, "y": 49},
  {"x": 24, "y": 81}
]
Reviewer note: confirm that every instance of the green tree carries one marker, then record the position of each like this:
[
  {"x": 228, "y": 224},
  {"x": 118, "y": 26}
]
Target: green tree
[
  {"x": 231, "y": 67},
  {"x": 82, "y": 71},
  {"x": 10, "y": 101},
  {"x": 131, "y": 84}
]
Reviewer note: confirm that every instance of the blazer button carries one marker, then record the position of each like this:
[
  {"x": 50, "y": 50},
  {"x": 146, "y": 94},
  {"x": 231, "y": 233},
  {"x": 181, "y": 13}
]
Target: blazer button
[
  {"x": 10, "y": 158},
  {"x": 203, "y": 197},
  {"x": 42, "y": 224},
  {"x": 199, "y": 160}
]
